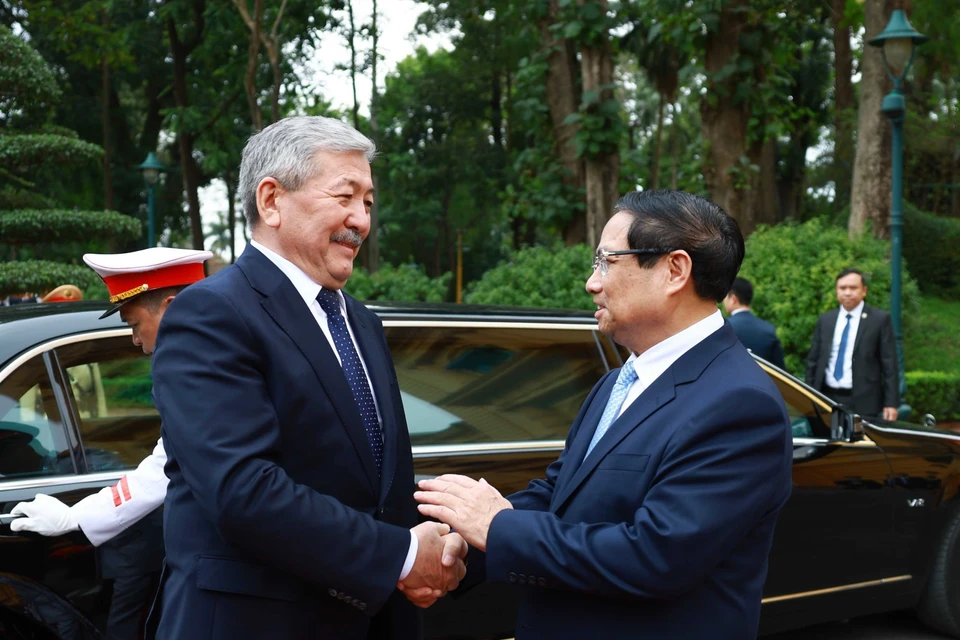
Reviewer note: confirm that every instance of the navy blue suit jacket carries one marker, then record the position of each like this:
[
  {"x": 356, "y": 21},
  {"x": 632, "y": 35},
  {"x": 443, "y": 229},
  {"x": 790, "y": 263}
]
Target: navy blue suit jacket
[
  {"x": 663, "y": 531},
  {"x": 759, "y": 336},
  {"x": 276, "y": 523}
]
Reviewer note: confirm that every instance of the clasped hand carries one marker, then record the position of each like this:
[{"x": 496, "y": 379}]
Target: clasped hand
[{"x": 439, "y": 566}]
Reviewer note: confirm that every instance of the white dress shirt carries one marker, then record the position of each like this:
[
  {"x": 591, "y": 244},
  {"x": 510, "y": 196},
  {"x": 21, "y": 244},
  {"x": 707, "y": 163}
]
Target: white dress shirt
[
  {"x": 651, "y": 364},
  {"x": 309, "y": 290},
  {"x": 846, "y": 382},
  {"x": 736, "y": 311}
]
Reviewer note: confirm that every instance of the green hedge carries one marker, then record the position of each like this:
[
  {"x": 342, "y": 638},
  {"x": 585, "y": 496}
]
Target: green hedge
[
  {"x": 34, "y": 226},
  {"x": 934, "y": 392},
  {"x": 38, "y": 276},
  {"x": 537, "y": 277},
  {"x": 793, "y": 268},
  {"x": 405, "y": 283},
  {"x": 932, "y": 246}
]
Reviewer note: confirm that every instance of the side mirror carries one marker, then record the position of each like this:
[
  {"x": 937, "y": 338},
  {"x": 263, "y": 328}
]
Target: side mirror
[{"x": 845, "y": 426}]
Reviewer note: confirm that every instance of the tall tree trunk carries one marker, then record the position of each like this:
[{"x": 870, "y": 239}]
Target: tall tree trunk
[
  {"x": 870, "y": 196},
  {"x": 373, "y": 258},
  {"x": 231, "y": 213},
  {"x": 253, "y": 58},
  {"x": 351, "y": 41},
  {"x": 601, "y": 170},
  {"x": 180, "y": 50},
  {"x": 674, "y": 152},
  {"x": 658, "y": 147},
  {"x": 562, "y": 100},
  {"x": 373, "y": 242},
  {"x": 844, "y": 103},
  {"x": 105, "y": 98},
  {"x": 730, "y": 168}
]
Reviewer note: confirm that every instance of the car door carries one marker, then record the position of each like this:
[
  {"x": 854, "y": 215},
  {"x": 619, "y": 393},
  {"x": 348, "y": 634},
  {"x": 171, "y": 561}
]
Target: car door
[
  {"x": 38, "y": 454},
  {"x": 836, "y": 528},
  {"x": 492, "y": 400}
]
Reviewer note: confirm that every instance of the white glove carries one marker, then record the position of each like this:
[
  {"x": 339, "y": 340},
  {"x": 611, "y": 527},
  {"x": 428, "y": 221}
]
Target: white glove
[{"x": 45, "y": 515}]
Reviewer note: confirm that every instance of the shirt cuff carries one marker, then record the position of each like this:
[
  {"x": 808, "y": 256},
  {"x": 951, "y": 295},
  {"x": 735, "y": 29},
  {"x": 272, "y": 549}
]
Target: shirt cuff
[{"x": 411, "y": 556}]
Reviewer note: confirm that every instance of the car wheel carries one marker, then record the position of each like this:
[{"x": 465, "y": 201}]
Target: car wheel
[{"x": 939, "y": 605}]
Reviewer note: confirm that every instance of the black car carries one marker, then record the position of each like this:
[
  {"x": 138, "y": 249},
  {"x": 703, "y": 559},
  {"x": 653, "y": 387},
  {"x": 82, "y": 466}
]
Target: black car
[{"x": 872, "y": 525}]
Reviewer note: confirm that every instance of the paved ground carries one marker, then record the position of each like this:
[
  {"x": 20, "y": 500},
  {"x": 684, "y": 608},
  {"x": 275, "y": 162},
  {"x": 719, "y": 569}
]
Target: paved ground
[{"x": 891, "y": 626}]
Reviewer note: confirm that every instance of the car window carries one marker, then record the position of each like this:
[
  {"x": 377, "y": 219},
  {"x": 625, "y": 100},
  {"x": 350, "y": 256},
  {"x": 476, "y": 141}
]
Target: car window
[
  {"x": 807, "y": 419},
  {"x": 111, "y": 389},
  {"x": 32, "y": 437},
  {"x": 481, "y": 385}
]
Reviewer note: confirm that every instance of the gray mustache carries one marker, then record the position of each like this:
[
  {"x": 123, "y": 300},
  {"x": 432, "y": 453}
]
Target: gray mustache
[{"x": 348, "y": 237}]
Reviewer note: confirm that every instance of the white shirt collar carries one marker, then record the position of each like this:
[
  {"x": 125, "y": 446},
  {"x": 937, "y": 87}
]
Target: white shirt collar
[
  {"x": 855, "y": 312},
  {"x": 651, "y": 364},
  {"x": 305, "y": 286},
  {"x": 736, "y": 311}
]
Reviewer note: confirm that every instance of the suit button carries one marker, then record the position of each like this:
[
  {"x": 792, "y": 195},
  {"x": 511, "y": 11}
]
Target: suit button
[
  {"x": 521, "y": 579},
  {"x": 341, "y": 596},
  {"x": 362, "y": 606},
  {"x": 333, "y": 593},
  {"x": 512, "y": 576},
  {"x": 541, "y": 582}
]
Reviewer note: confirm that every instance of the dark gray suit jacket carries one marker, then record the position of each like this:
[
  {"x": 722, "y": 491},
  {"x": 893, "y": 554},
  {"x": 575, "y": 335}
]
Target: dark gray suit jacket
[{"x": 876, "y": 382}]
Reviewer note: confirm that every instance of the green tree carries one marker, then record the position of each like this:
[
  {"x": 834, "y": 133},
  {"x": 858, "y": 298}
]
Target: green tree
[{"x": 31, "y": 153}]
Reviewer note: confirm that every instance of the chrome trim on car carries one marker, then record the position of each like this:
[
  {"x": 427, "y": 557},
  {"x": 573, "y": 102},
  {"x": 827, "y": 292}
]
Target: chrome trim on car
[
  {"x": 911, "y": 432},
  {"x": 836, "y": 443},
  {"x": 55, "y": 481},
  {"x": 485, "y": 449},
  {"x": 484, "y": 324},
  {"x": 60, "y": 342},
  {"x": 845, "y": 587}
]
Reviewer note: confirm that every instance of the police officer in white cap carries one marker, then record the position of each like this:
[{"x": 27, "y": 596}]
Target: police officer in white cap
[{"x": 141, "y": 285}]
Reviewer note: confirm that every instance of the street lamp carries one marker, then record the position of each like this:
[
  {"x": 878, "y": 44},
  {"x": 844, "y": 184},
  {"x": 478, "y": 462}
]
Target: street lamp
[
  {"x": 898, "y": 41},
  {"x": 151, "y": 169}
]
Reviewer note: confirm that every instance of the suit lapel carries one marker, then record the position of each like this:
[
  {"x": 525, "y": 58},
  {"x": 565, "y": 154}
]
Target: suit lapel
[
  {"x": 830, "y": 327},
  {"x": 285, "y": 305},
  {"x": 686, "y": 369},
  {"x": 864, "y": 326},
  {"x": 653, "y": 397},
  {"x": 375, "y": 359}
]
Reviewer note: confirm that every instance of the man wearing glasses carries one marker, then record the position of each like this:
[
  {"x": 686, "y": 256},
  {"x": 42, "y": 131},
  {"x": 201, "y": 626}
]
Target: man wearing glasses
[{"x": 657, "y": 518}]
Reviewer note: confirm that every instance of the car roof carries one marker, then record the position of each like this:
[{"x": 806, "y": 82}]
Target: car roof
[{"x": 24, "y": 325}]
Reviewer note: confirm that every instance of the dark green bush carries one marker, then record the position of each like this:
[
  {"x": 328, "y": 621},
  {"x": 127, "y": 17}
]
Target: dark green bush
[
  {"x": 33, "y": 226},
  {"x": 39, "y": 276},
  {"x": 932, "y": 246},
  {"x": 794, "y": 267},
  {"x": 934, "y": 392},
  {"x": 405, "y": 283},
  {"x": 537, "y": 277}
]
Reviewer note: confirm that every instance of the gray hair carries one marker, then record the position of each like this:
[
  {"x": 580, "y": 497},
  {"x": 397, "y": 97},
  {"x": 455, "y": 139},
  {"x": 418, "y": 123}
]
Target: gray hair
[{"x": 285, "y": 150}]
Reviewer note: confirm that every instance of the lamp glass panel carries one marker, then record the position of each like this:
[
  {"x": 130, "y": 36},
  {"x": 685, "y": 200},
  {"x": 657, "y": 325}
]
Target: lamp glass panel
[
  {"x": 151, "y": 176},
  {"x": 897, "y": 52}
]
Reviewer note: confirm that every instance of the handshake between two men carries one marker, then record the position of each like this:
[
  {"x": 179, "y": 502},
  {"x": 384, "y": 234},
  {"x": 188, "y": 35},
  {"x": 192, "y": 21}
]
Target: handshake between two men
[{"x": 466, "y": 505}]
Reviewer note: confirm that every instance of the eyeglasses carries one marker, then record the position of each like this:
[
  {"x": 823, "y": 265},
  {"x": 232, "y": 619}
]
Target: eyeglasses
[{"x": 600, "y": 258}]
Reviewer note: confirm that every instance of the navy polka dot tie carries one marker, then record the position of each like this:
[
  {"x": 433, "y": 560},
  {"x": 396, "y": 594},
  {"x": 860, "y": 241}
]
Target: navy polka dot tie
[{"x": 353, "y": 370}]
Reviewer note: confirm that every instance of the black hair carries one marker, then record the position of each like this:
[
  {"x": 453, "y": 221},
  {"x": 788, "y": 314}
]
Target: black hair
[
  {"x": 743, "y": 289},
  {"x": 151, "y": 300},
  {"x": 846, "y": 272},
  {"x": 674, "y": 220}
]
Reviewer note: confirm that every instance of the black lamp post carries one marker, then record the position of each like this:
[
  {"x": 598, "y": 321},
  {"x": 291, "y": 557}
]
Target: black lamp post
[
  {"x": 898, "y": 41},
  {"x": 151, "y": 169}
]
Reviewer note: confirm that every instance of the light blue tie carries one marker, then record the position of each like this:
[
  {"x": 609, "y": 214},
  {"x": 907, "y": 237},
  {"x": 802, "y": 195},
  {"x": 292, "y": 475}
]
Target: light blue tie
[
  {"x": 838, "y": 368},
  {"x": 628, "y": 375},
  {"x": 353, "y": 370}
]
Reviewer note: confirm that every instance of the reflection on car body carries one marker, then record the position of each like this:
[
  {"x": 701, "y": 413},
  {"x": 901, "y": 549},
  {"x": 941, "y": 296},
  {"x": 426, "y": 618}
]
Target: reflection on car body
[{"x": 872, "y": 523}]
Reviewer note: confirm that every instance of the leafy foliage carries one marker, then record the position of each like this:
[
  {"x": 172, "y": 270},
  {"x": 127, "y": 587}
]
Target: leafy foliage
[
  {"x": 793, "y": 268},
  {"x": 935, "y": 392},
  {"x": 52, "y": 225},
  {"x": 931, "y": 342},
  {"x": 403, "y": 283},
  {"x": 549, "y": 277},
  {"x": 27, "y": 81},
  {"x": 37, "y": 276},
  {"x": 930, "y": 244},
  {"x": 17, "y": 151}
]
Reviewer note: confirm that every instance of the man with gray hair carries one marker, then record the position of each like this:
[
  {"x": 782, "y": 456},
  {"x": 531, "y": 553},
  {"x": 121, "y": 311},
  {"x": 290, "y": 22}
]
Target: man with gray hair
[{"x": 289, "y": 511}]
